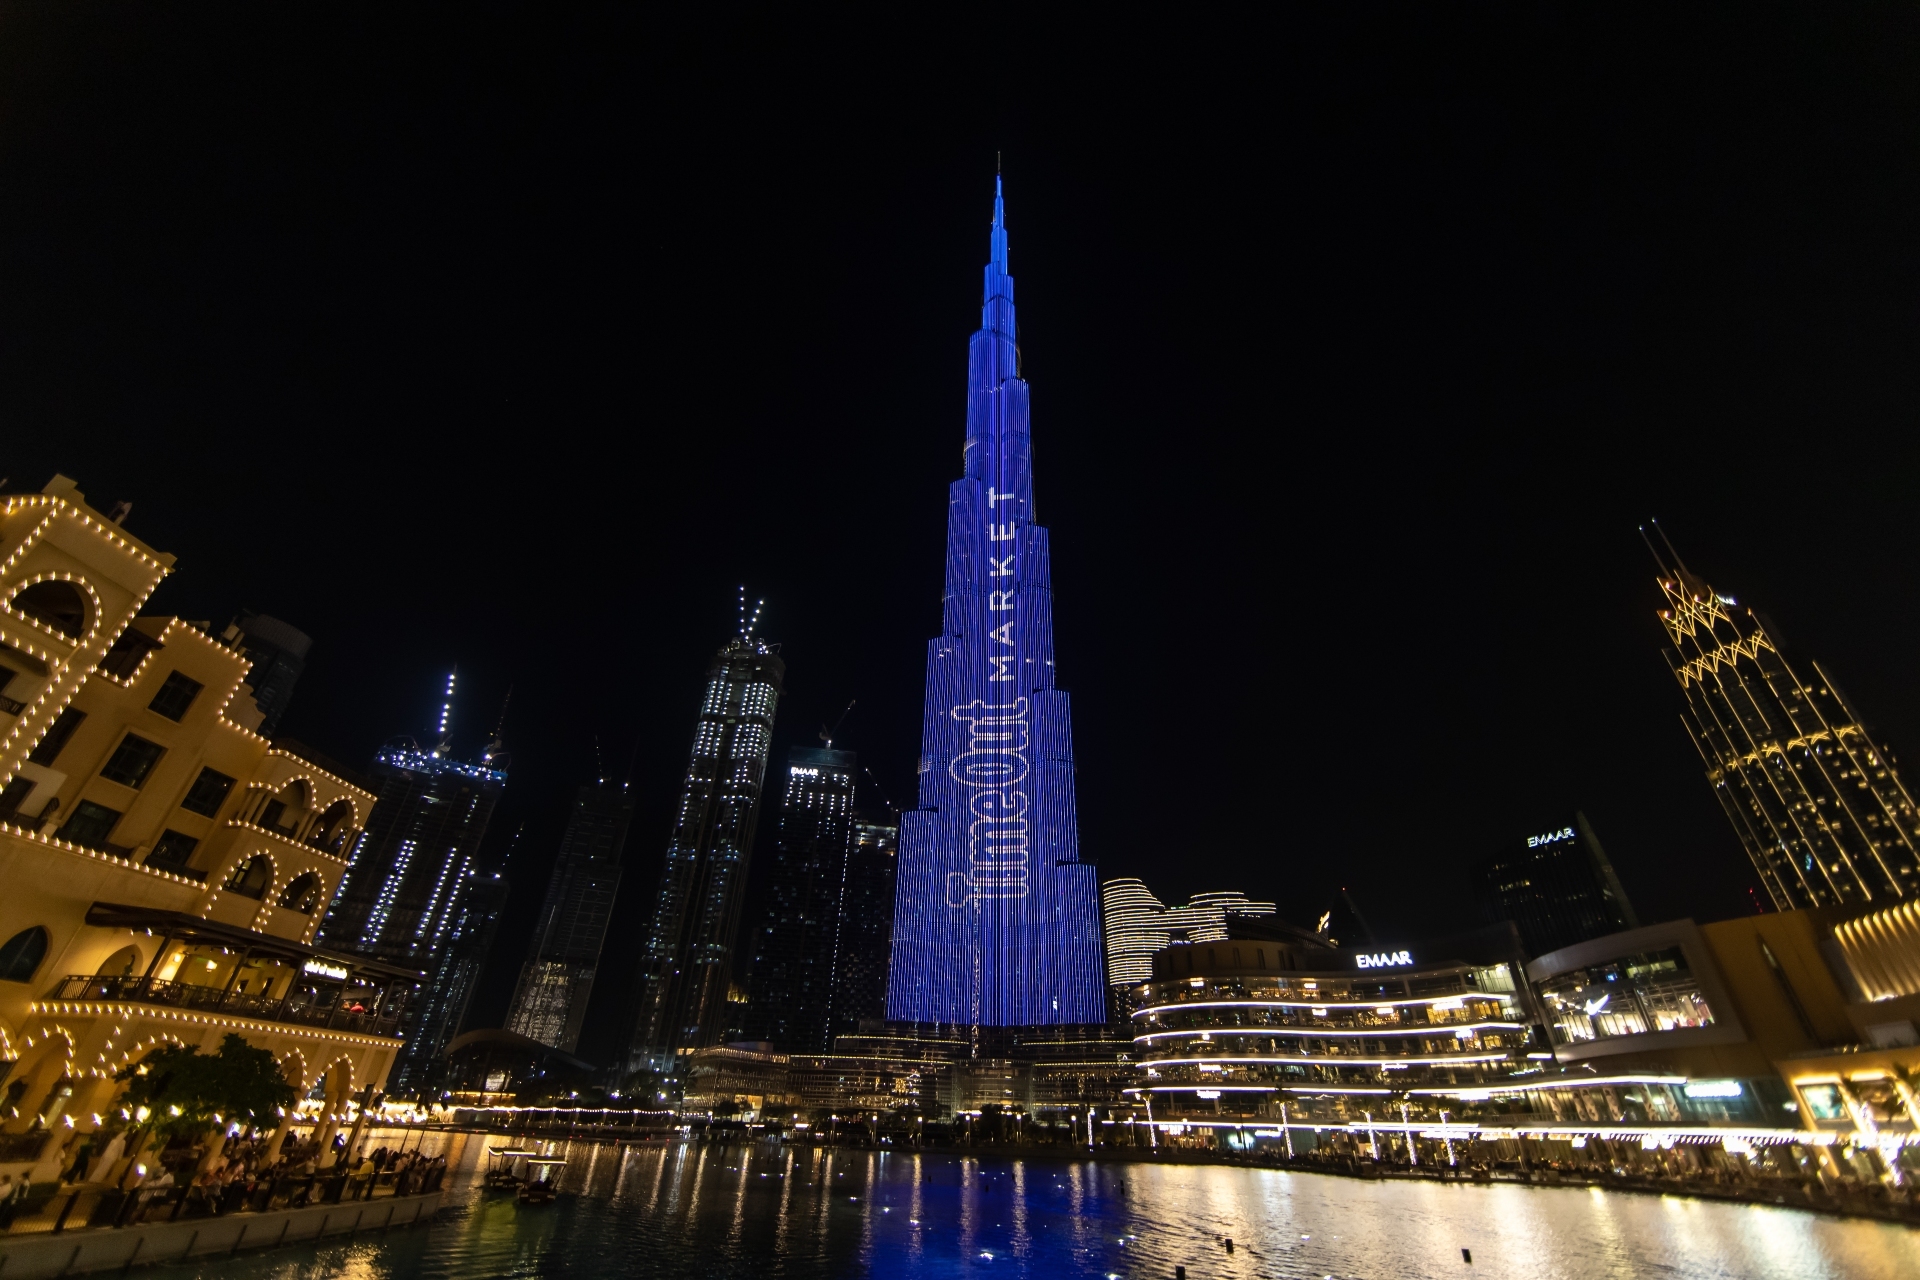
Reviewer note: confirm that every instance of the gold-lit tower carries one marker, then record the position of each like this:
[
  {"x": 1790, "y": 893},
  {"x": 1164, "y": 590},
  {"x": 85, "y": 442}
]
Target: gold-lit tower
[{"x": 1816, "y": 801}]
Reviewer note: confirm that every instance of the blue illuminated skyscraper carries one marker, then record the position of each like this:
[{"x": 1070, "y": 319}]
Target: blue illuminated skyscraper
[{"x": 996, "y": 919}]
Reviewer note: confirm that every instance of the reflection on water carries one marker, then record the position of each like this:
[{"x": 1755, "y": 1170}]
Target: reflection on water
[{"x": 767, "y": 1211}]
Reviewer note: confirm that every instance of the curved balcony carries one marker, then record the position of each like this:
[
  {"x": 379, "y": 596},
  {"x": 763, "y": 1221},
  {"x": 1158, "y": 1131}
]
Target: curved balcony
[{"x": 300, "y": 1008}]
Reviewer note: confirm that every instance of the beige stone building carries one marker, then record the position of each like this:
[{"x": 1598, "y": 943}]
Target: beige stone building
[{"x": 163, "y": 867}]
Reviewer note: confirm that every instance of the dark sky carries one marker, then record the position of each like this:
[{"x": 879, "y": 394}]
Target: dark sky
[{"x": 1357, "y": 355}]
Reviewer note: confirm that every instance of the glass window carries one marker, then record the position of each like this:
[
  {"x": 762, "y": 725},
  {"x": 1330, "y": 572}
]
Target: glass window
[
  {"x": 175, "y": 696},
  {"x": 171, "y": 851},
  {"x": 50, "y": 744},
  {"x": 207, "y": 792},
  {"x": 89, "y": 824},
  {"x": 22, "y": 955},
  {"x": 132, "y": 761},
  {"x": 250, "y": 878},
  {"x": 1824, "y": 1101},
  {"x": 1650, "y": 991}
]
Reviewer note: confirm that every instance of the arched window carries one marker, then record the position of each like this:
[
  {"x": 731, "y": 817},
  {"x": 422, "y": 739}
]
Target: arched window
[
  {"x": 303, "y": 895},
  {"x": 251, "y": 878},
  {"x": 22, "y": 954},
  {"x": 56, "y": 603}
]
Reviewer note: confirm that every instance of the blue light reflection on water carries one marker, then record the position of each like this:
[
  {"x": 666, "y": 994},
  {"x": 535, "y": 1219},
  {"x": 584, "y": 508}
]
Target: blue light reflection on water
[{"x": 712, "y": 1213}]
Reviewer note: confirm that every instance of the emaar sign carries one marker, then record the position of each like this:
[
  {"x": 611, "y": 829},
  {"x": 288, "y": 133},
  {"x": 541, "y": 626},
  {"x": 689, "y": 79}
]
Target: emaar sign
[
  {"x": 1384, "y": 959},
  {"x": 1552, "y": 837}
]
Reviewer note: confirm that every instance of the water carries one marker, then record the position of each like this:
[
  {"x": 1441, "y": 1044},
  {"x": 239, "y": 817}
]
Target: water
[{"x": 764, "y": 1212}]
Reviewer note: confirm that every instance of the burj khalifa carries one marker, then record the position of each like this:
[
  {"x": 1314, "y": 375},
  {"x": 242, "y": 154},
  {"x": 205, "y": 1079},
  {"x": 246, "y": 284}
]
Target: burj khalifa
[{"x": 996, "y": 920}]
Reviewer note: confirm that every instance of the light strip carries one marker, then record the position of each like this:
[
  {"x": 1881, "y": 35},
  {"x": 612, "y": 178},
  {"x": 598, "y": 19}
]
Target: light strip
[
  {"x": 1309, "y": 1030},
  {"x": 1502, "y": 996}
]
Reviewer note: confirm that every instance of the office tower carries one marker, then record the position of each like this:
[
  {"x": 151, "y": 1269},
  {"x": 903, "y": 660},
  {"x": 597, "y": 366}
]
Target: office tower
[
  {"x": 686, "y": 964},
  {"x": 550, "y": 1001},
  {"x": 1817, "y": 803},
  {"x": 401, "y": 901},
  {"x": 1557, "y": 885},
  {"x": 1136, "y": 924},
  {"x": 792, "y": 978},
  {"x": 278, "y": 653},
  {"x": 996, "y": 919},
  {"x": 452, "y": 973},
  {"x": 865, "y": 939}
]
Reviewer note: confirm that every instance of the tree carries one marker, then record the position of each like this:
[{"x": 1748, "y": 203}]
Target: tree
[{"x": 185, "y": 1092}]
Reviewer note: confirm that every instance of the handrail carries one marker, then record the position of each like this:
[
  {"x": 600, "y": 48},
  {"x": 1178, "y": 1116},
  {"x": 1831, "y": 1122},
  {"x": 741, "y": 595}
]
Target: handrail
[{"x": 183, "y": 995}]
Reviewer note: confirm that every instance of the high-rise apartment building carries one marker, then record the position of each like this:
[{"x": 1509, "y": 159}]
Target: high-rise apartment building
[
  {"x": 996, "y": 918},
  {"x": 865, "y": 940},
  {"x": 278, "y": 653},
  {"x": 686, "y": 964},
  {"x": 403, "y": 897},
  {"x": 1136, "y": 924},
  {"x": 1816, "y": 801},
  {"x": 1557, "y": 885},
  {"x": 550, "y": 1001},
  {"x": 819, "y": 960},
  {"x": 791, "y": 982}
]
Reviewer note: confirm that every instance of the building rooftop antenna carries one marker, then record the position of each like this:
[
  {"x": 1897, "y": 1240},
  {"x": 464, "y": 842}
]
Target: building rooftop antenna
[{"x": 446, "y": 715}]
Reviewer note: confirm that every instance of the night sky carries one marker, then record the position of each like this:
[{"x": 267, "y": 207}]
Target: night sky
[{"x": 1357, "y": 356}]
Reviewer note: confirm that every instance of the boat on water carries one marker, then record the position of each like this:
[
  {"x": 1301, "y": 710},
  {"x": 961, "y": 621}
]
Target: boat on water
[
  {"x": 503, "y": 1167},
  {"x": 541, "y": 1185}
]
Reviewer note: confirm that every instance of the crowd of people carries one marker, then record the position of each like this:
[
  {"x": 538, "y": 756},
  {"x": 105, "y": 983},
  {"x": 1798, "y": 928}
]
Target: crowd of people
[{"x": 109, "y": 1188}]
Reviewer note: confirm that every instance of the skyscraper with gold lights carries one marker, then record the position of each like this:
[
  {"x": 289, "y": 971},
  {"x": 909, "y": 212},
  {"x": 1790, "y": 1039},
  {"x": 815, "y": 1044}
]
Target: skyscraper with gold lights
[{"x": 1817, "y": 803}]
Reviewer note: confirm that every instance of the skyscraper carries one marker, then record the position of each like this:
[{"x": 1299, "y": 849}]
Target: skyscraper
[
  {"x": 1557, "y": 885},
  {"x": 1817, "y": 803},
  {"x": 865, "y": 937},
  {"x": 793, "y": 945},
  {"x": 278, "y": 653},
  {"x": 996, "y": 920},
  {"x": 402, "y": 898},
  {"x": 686, "y": 964},
  {"x": 550, "y": 1001}
]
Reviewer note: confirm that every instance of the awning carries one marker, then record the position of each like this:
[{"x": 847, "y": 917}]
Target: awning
[{"x": 188, "y": 928}]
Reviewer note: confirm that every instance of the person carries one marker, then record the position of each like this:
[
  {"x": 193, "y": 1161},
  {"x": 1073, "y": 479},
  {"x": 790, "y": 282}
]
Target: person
[{"x": 102, "y": 1165}]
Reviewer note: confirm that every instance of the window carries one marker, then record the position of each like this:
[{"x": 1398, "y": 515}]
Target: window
[
  {"x": 171, "y": 851},
  {"x": 56, "y": 736},
  {"x": 132, "y": 761},
  {"x": 303, "y": 895},
  {"x": 57, "y": 604},
  {"x": 1633, "y": 995},
  {"x": 22, "y": 955},
  {"x": 251, "y": 877},
  {"x": 175, "y": 696},
  {"x": 207, "y": 792},
  {"x": 89, "y": 824},
  {"x": 14, "y": 796},
  {"x": 270, "y": 816}
]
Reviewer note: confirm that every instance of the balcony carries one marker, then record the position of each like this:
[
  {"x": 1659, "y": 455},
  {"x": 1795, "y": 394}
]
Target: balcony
[{"x": 299, "y": 1009}]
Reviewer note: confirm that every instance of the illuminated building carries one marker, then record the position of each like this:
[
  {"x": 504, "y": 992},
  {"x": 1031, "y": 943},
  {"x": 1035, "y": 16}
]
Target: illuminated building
[
  {"x": 550, "y": 1001},
  {"x": 278, "y": 653},
  {"x": 1137, "y": 924},
  {"x": 165, "y": 864},
  {"x": 403, "y": 901},
  {"x": 1275, "y": 1016},
  {"x": 1557, "y": 885},
  {"x": 686, "y": 964},
  {"x": 865, "y": 941},
  {"x": 1817, "y": 803},
  {"x": 996, "y": 919},
  {"x": 793, "y": 948}
]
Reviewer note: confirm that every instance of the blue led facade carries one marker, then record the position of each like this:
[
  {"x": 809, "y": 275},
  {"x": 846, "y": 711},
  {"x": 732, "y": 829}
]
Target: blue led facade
[{"x": 996, "y": 920}]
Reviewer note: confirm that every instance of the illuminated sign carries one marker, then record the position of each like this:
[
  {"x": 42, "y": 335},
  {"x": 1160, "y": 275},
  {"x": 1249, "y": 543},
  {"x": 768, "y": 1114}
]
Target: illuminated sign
[
  {"x": 1714, "y": 1089},
  {"x": 1552, "y": 837},
  {"x": 1206, "y": 1093},
  {"x": 1384, "y": 959},
  {"x": 321, "y": 969}
]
